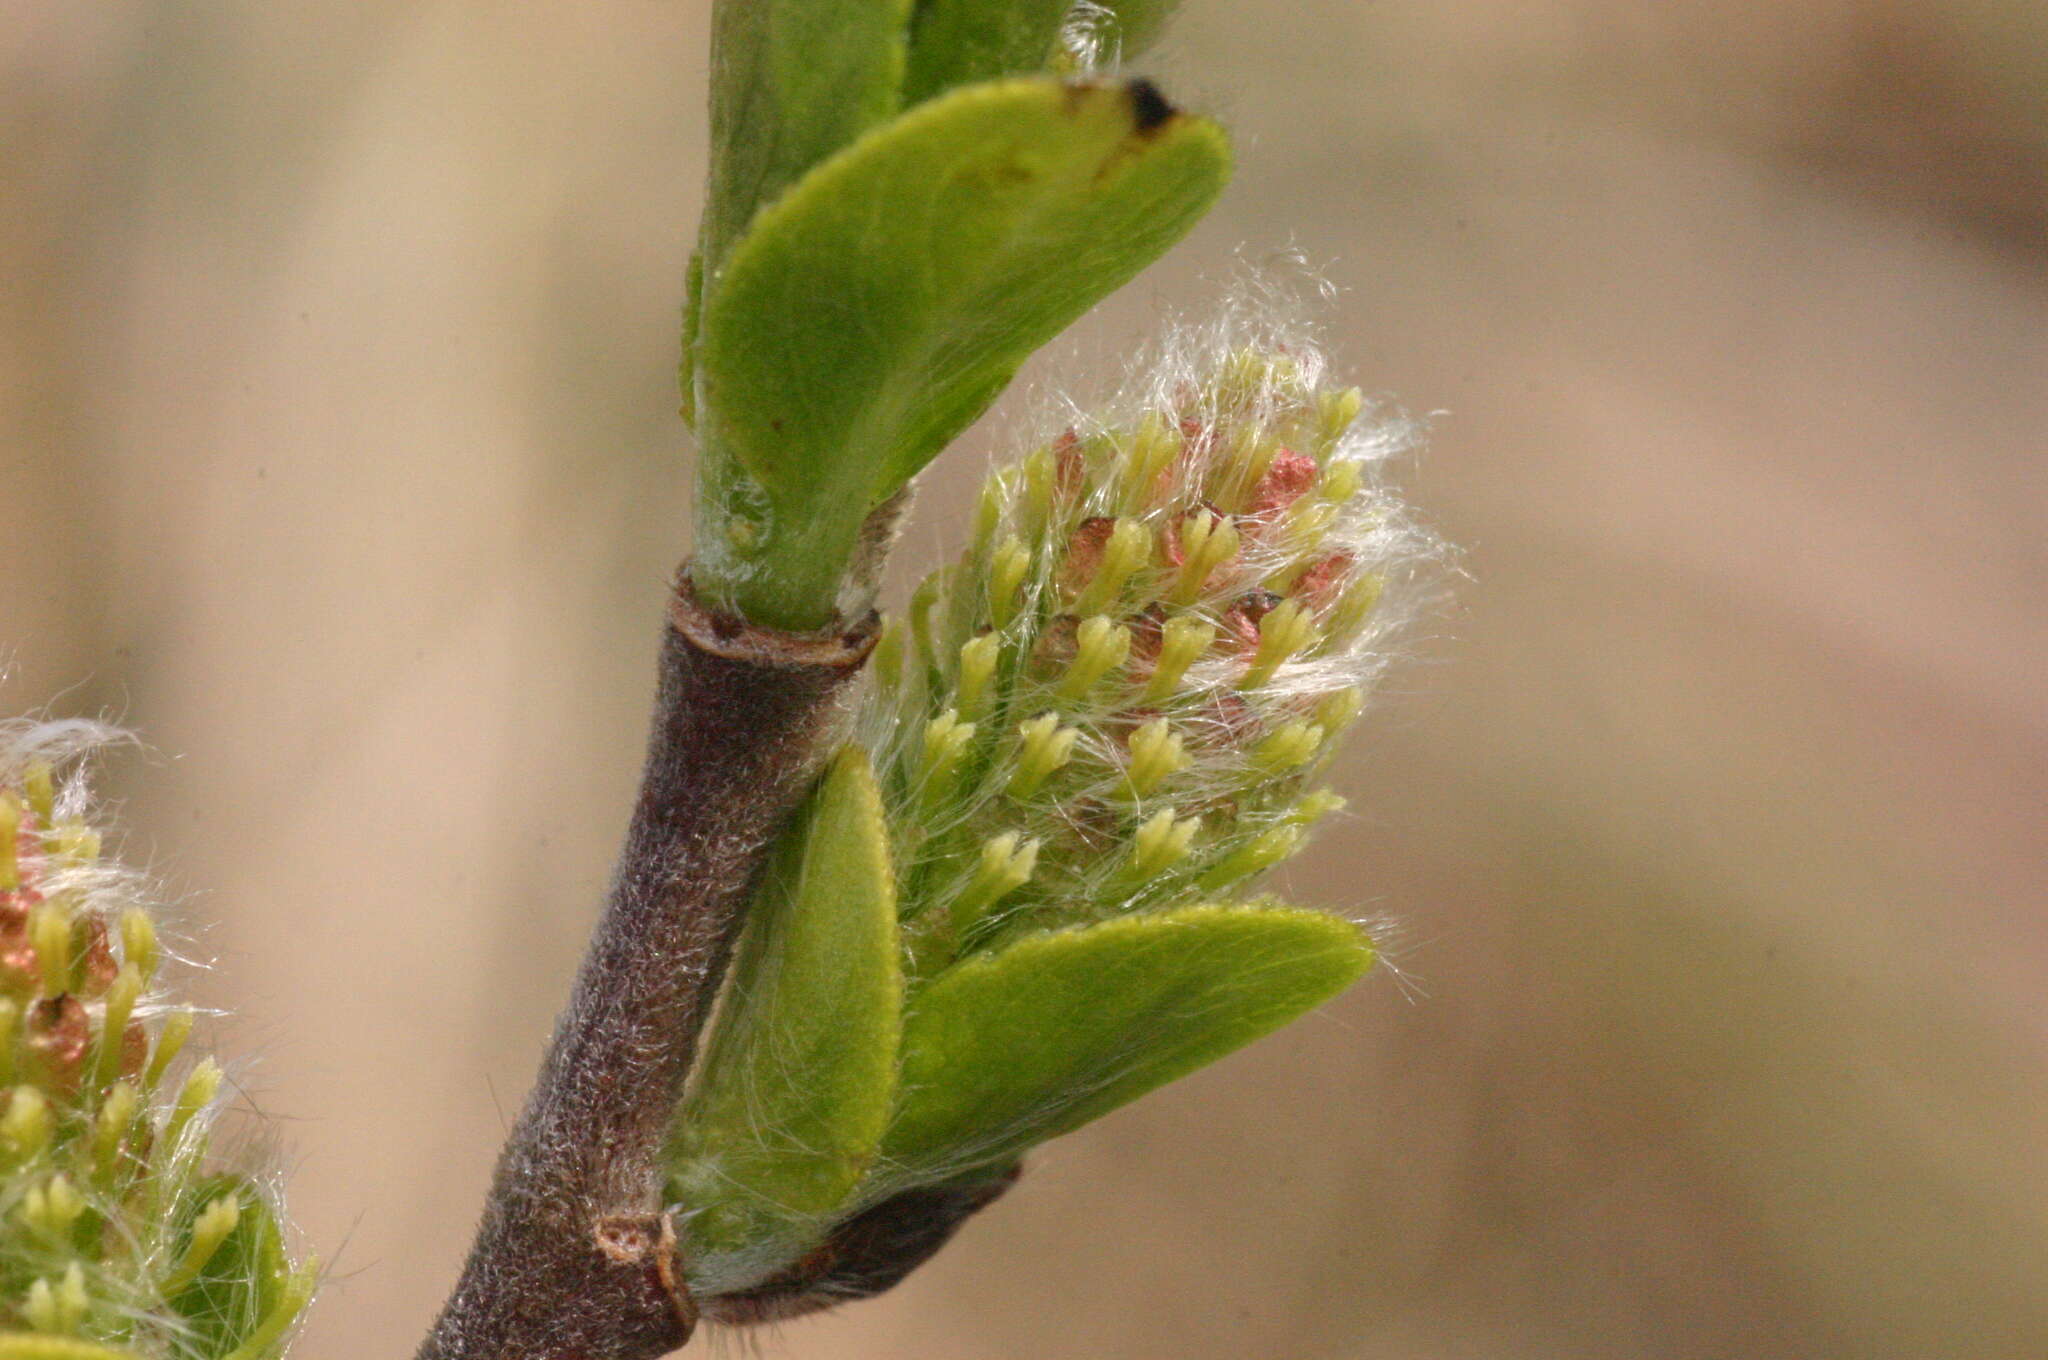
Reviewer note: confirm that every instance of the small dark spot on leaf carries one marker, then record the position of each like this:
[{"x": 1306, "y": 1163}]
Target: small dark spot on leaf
[
  {"x": 775, "y": 424},
  {"x": 1011, "y": 172},
  {"x": 1149, "y": 108}
]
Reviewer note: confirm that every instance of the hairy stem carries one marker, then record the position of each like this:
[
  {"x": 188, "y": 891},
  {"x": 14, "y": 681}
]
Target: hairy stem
[{"x": 576, "y": 1258}]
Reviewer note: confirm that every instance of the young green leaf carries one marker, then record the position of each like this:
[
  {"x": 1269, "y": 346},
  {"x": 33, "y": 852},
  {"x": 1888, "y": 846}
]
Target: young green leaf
[
  {"x": 960, "y": 42},
  {"x": 1007, "y": 1050},
  {"x": 792, "y": 81},
  {"x": 796, "y": 1085},
  {"x": 877, "y": 308}
]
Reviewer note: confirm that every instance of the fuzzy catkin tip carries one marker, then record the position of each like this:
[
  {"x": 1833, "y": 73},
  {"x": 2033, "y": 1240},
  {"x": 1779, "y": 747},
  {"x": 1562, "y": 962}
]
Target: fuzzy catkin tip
[
  {"x": 118, "y": 1229},
  {"x": 1170, "y": 612}
]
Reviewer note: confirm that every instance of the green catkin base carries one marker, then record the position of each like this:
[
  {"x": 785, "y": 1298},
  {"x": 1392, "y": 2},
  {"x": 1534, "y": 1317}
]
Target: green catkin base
[{"x": 120, "y": 1239}]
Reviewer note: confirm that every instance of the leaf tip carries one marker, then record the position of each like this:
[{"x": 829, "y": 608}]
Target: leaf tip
[{"x": 1150, "y": 109}]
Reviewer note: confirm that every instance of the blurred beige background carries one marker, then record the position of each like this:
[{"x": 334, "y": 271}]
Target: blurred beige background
[{"x": 338, "y": 454}]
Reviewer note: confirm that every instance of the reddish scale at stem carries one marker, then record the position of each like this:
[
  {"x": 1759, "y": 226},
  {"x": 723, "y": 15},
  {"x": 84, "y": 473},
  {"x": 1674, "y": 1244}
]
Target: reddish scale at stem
[
  {"x": 1290, "y": 475},
  {"x": 57, "y": 1031},
  {"x": 1241, "y": 620},
  {"x": 1148, "y": 632},
  {"x": 58, "y": 1034},
  {"x": 1323, "y": 582},
  {"x": 1070, "y": 466},
  {"x": 20, "y": 971},
  {"x": 1083, "y": 555}
]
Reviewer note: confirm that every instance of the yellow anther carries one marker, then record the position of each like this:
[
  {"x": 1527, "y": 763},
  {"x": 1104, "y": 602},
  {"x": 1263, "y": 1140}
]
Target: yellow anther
[
  {"x": 1288, "y": 747},
  {"x": 170, "y": 1040},
  {"x": 974, "y": 690},
  {"x": 1308, "y": 522},
  {"x": 1162, "y": 842},
  {"x": 292, "y": 1296},
  {"x": 209, "y": 1230},
  {"x": 52, "y": 1207},
  {"x": 1125, "y": 551},
  {"x": 121, "y": 999},
  {"x": 1041, "y": 471},
  {"x": 1243, "y": 375},
  {"x": 1157, "y": 752},
  {"x": 49, "y": 930},
  {"x": 39, "y": 782},
  {"x": 1101, "y": 647},
  {"x": 988, "y": 512},
  {"x": 1181, "y": 643},
  {"x": 25, "y": 1126},
  {"x": 111, "y": 1124},
  {"x": 138, "y": 941},
  {"x": 10, "y": 831},
  {"x": 1043, "y": 747},
  {"x": 1006, "y": 572},
  {"x": 923, "y": 601},
  {"x": 75, "y": 843},
  {"x": 946, "y": 740},
  {"x": 1340, "y": 481},
  {"x": 202, "y": 1084},
  {"x": 1314, "y": 807},
  {"x": 1207, "y": 541},
  {"x": 1285, "y": 630},
  {"x": 40, "y": 1310},
  {"x": 1153, "y": 448},
  {"x": 1252, "y": 450},
  {"x": 1006, "y": 864},
  {"x": 1340, "y": 708},
  {"x": 1335, "y": 412}
]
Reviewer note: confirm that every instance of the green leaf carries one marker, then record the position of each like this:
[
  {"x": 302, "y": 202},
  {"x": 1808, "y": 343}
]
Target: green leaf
[
  {"x": 879, "y": 306},
  {"x": 960, "y": 42},
  {"x": 796, "y": 1085},
  {"x": 792, "y": 81},
  {"x": 1009, "y": 1049},
  {"x": 693, "y": 308},
  {"x": 243, "y": 1283}
]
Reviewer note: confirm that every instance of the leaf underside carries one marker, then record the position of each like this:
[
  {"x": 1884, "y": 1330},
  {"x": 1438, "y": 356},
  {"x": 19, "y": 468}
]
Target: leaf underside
[{"x": 797, "y": 1082}]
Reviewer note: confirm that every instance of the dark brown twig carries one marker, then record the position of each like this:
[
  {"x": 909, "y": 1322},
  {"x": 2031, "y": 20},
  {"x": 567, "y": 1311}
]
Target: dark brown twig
[{"x": 575, "y": 1258}]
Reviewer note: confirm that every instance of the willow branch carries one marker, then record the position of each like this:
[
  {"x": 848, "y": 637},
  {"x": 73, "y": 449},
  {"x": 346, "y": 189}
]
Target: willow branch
[{"x": 575, "y": 1258}]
